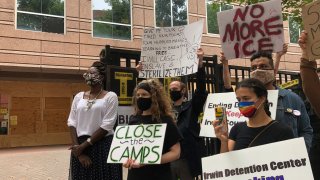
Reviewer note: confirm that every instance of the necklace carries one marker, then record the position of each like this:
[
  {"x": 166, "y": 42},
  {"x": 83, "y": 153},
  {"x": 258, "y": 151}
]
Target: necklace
[{"x": 90, "y": 102}]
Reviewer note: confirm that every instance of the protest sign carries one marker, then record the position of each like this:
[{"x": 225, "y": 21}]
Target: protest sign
[
  {"x": 142, "y": 143},
  {"x": 170, "y": 51},
  {"x": 234, "y": 116},
  {"x": 285, "y": 160},
  {"x": 124, "y": 113},
  {"x": 311, "y": 22},
  {"x": 246, "y": 30}
]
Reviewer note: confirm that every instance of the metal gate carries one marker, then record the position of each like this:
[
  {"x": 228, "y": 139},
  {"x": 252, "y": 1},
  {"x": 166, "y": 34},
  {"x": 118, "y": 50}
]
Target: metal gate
[{"x": 128, "y": 59}]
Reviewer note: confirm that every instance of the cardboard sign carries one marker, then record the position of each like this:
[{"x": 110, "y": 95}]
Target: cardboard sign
[
  {"x": 246, "y": 30},
  {"x": 285, "y": 160},
  {"x": 124, "y": 113},
  {"x": 311, "y": 22},
  {"x": 170, "y": 51},
  {"x": 142, "y": 143},
  {"x": 234, "y": 116}
]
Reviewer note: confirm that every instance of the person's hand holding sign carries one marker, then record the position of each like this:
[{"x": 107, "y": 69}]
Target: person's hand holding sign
[
  {"x": 130, "y": 163},
  {"x": 303, "y": 44},
  {"x": 139, "y": 66},
  {"x": 278, "y": 57},
  {"x": 200, "y": 54}
]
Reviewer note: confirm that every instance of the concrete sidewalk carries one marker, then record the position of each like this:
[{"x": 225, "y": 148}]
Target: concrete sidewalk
[{"x": 35, "y": 163}]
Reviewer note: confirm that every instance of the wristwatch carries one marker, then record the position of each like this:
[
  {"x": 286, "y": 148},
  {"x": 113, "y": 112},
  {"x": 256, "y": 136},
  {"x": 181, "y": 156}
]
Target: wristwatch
[{"x": 89, "y": 141}]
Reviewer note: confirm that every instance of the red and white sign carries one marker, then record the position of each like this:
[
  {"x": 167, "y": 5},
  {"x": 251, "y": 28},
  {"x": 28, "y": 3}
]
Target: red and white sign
[{"x": 246, "y": 30}]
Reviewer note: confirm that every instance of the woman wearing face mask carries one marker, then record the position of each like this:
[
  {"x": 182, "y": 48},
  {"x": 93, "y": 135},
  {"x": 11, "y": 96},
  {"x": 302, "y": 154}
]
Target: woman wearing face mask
[
  {"x": 260, "y": 128},
  {"x": 91, "y": 120},
  {"x": 152, "y": 106}
]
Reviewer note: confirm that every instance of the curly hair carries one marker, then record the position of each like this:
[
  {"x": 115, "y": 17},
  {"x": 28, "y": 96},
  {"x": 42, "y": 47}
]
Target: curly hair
[
  {"x": 100, "y": 67},
  {"x": 160, "y": 106}
]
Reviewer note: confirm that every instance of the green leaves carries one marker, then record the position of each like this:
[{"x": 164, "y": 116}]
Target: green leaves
[{"x": 289, "y": 7}]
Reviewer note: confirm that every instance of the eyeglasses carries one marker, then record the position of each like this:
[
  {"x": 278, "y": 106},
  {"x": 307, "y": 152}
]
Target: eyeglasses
[{"x": 262, "y": 67}]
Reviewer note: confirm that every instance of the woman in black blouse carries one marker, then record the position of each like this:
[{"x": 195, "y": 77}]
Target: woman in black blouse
[
  {"x": 153, "y": 106},
  {"x": 260, "y": 128}
]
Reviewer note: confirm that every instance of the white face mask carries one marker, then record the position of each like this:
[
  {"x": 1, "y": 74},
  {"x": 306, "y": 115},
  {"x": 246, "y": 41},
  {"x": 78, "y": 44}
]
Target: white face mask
[{"x": 265, "y": 76}]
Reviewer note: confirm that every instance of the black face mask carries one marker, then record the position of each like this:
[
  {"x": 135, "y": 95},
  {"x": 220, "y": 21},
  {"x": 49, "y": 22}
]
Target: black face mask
[
  {"x": 175, "y": 95},
  {"x": 144, "y": 103}
]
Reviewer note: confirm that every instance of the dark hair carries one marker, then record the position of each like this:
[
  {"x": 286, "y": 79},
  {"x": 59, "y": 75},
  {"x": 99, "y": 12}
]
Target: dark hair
[
  {"x": 100, "y": 67},
  {"x": 266, "y": 54},
  {"x": 258, "y": 88}
]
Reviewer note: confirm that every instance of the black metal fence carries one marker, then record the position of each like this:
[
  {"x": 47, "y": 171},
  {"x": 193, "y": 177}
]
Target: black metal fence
[{"x": 214, "y": 80}]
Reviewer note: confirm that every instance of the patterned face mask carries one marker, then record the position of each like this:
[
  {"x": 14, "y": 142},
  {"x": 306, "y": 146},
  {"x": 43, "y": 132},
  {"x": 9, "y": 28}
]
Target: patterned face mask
[{"x": 92, "y": 79}]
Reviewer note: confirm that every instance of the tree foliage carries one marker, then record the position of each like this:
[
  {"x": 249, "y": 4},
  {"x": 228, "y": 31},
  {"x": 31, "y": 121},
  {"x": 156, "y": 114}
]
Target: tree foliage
[
  {"x": 115, "y": 11},
  {"x": 41, "y": 22},
  {"x": 163, "y": 12},
  {"x": 52, "y": 7}
]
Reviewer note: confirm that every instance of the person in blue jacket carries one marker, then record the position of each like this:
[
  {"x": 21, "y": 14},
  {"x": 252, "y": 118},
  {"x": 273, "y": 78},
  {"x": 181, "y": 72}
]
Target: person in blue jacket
[{"x": 291, "y": 109}]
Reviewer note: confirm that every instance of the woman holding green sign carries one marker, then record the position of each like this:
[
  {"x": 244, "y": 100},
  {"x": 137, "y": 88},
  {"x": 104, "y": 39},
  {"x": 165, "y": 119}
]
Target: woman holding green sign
[{"x": 152, "y": 106}]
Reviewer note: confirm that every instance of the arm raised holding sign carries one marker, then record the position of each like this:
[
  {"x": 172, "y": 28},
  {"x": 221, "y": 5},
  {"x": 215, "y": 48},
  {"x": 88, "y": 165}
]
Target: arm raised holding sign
[
  {"x": 226, "y": 73},
  {"x": 309, "y": 76},
  {"x": 278, "y": 57}
]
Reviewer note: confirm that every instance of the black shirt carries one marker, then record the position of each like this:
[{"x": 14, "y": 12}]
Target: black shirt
[
  {"x": 157, "y": 171},
  {"x": 243, "y": 135}
]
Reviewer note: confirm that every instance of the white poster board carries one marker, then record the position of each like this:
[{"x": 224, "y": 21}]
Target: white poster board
[
  {"x": 142, "y": 143},
  {"x": 170, "y": 51},
  {"x": 245, "y": 30},
  {"x": 234, "y": 116},
  {"x": 286, "y": 160},
  {"x": 124, "y": 114}
]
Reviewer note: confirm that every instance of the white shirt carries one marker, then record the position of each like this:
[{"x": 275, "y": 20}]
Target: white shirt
[{"x": 103, "y": 113}]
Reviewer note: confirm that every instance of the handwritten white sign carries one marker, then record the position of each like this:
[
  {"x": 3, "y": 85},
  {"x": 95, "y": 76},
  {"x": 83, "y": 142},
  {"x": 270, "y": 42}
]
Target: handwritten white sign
[
  {"x": 245, "y": 30},
  {"x": 285, "y": 160},
  {"x": 142, "y": 143},
  {"x": 234, "y": 116},
  {"x": 170, "y": 51}
]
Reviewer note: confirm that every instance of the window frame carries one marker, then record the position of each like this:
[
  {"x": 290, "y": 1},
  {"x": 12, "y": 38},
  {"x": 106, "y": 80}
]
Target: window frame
[
  {"x": 207, "y": 26},
  {"x": 112, "y": 23},
  {"x": 155, "y": 13},
  {"x": 292, "y": 43},
  {"x": 41, "y": 14}
]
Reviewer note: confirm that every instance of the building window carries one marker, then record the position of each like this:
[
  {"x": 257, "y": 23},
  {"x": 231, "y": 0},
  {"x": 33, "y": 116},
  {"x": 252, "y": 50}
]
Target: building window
[
  {"x": 41, "y": 15},
  {"x": 171, "y": 13},
  {"x": 294, "y": 30},
  {"x": 212, "y": 19},
  {"x": 111, "y": 19}
]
